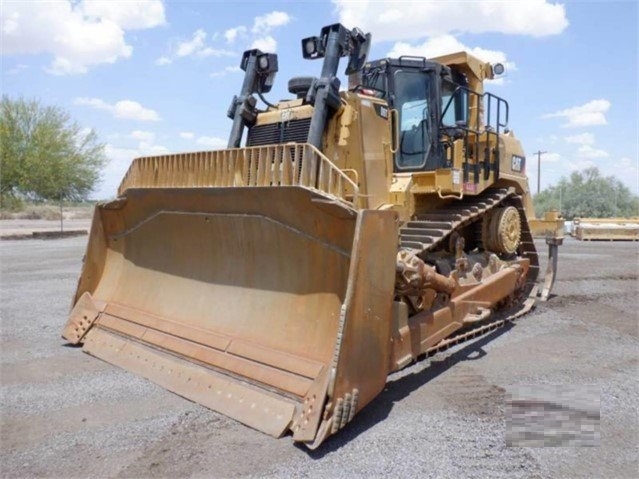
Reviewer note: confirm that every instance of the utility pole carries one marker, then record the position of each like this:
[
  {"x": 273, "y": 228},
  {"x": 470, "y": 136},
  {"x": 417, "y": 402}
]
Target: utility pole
[{"x": 539, "y": 153}]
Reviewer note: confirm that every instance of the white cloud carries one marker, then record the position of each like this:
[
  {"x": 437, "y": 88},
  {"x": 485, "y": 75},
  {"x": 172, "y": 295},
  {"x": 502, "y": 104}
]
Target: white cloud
[
  {"x": 79, "y": 35},
  {"x": 233, "y": 33},
  {"x": 579, "y": 165},
  {"x": 93, "y": 102},
  {"x": 406, "y": 20},
  {"x": 148, "y": 149},
  {"x": 118, "y": 154},
  {"x": 120, "y": 158},
  {"x": 196, "y": 43},
  {"x": 85, "y": 131},
  {"x": 126, "y": 155},
  {"x": 125, "y": 109},
  {"x": 586, "y": 150},
  {"x": 226, "y": 70},
  {"x": 626, "y": 162},
  {"x": 196, "y": 46},
  {"x": 259, "y": 36},
  {"x": 132, "y": 110},
  {"x": 262, "y": 38},
  {"x": 187, "y": 135},
  {"x": 631, "y": 173},
  {"x": 212, "y": 142},
  {"x": 136, "y": 15},
  {"x": 214, "y": 52},
  {"x": 82, "y": 136},
  {"x": 589, "y": 114},
  {"x": 265, "y": 23},
  {"x": 581, "y": 139},
  {"x": 17, "y": 69},
  {"x": 549, "y": 157},
  {"x": 146, "y": 136},
  {"x": 445, "y": 44},
  {"x": 266, "y": 44},
  {"x": 590, "y": 153}
]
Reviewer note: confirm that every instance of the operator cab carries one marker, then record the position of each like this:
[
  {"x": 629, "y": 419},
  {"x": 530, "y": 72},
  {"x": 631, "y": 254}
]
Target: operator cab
[{"x": 419, "y": 91}]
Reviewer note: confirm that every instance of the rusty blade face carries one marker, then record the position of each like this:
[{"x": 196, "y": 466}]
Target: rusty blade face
[{"x": 230, "y": 297}]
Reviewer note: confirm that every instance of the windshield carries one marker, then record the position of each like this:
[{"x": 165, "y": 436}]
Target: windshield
[{"x": 411, "y": 101}]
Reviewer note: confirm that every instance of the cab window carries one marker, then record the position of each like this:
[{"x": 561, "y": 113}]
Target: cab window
[
  {"x": 411, "y": 101},
  {"x": 454, "y": 110}
]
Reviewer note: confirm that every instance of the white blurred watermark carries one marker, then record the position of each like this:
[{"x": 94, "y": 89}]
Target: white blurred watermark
[{"x": 552, "y": 416}]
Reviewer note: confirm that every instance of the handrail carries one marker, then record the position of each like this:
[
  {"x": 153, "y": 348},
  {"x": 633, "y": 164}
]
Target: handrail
[
  {"x": 394, "y": 142},
  {"x": 489, "y": 99},
  {"x": 484, "y": 102},
  {"x": 292, "y": 164},
  {"x": 490, "y": 119}
]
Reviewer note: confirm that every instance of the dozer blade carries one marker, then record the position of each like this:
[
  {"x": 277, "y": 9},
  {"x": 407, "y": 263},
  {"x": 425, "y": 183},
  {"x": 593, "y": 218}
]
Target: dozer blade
[{"x": 269, "y": 305}]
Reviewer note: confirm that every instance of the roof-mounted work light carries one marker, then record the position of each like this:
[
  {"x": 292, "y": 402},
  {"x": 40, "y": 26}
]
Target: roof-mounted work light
[
  {"x": 260, "y": 68},
  {"x": 267, "y": 63},
  {"x": 353, "y": 43},
  {"x": 498, "y": 69},
  {"x": 312, "y": 48}
]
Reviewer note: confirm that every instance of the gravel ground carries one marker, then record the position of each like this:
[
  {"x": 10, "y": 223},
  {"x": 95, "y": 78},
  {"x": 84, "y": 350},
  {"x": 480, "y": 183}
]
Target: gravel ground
[{"x": 66, "y": 414}]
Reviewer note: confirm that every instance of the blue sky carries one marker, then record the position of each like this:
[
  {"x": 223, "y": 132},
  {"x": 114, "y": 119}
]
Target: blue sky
[{"x": 154, "y": 77}]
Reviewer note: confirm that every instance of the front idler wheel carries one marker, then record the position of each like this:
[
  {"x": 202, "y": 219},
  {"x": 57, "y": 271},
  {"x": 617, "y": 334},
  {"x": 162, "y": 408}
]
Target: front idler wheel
[{"x": 502, "y": 230}]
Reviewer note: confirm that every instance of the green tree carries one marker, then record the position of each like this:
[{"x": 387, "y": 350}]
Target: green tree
[
  {"x": 44, "y": 155},
  {"x": 588, "y": 194}
]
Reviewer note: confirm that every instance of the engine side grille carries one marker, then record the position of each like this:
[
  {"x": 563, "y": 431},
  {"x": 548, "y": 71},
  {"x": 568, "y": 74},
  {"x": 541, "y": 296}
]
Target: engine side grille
[{"x": 276, "y": 133}]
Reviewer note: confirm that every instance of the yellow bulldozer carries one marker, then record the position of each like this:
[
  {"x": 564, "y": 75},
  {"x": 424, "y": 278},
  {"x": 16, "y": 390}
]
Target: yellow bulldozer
[{"x": 344, "y": 234}]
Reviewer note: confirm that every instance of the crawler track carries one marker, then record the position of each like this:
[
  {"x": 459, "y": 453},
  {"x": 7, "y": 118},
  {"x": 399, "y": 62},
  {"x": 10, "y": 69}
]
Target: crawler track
[{"x": 429, "y": 231}]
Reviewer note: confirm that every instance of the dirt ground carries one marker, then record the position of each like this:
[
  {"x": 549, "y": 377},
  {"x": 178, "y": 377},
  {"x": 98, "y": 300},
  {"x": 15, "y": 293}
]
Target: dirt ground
[{"x": 66, "y": 414}]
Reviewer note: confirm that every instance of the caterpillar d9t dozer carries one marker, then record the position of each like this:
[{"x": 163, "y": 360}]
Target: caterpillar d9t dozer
[{"x": 341, "y": 236}]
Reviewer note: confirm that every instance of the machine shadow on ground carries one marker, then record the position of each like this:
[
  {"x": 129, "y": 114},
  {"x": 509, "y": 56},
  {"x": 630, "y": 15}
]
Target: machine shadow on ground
[{"x": 398, "y": 389}]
